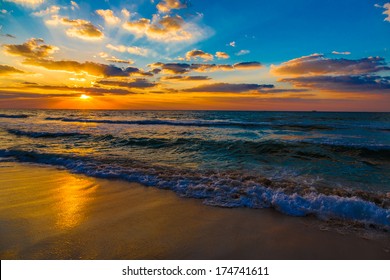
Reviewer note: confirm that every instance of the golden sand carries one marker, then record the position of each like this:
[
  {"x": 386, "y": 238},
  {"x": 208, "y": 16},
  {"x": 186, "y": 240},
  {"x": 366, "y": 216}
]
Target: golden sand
[{"x": 48, "y": 213}]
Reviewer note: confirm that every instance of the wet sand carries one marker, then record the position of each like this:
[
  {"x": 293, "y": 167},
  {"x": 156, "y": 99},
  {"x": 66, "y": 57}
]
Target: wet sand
[{"x": 49, "y": 213}]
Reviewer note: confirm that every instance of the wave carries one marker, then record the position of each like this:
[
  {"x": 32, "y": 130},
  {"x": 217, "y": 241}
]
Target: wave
[
  {"x": 227, "y": 124},
  {"x": 39, "y": 134},
  {"x": 199, "y": 123},
  {"x": 303, "y": 150},
  {"x": 20, "y": 116},
  {"x": 230, "y": 189}
]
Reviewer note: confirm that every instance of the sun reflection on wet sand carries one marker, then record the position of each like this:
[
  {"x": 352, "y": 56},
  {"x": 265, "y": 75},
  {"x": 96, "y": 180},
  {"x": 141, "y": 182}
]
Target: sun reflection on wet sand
[{"x": 73, "y": 196}]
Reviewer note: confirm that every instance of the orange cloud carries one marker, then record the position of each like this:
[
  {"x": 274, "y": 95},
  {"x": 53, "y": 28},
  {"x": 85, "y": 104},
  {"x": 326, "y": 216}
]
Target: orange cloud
[
  {"x": 222, "y": 55},
  {"x": 9, "y": 70},
  {"x": 166, "y": 6},
  {"x": 194, "y": 54},
  {"x": 88, "y": 67},
  {"x": 33, "y": 48},
  {"x": 166, "y": 29},
  {"x": 80, "y": 28}
]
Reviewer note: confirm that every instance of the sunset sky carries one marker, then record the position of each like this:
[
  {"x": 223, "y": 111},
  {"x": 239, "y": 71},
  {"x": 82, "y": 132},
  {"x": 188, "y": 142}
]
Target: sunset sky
[{"x": 168, "y": 54}]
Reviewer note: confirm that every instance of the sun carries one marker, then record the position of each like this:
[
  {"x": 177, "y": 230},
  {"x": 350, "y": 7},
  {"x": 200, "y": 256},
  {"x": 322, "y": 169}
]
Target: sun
[{"x": 84, "y": 97}]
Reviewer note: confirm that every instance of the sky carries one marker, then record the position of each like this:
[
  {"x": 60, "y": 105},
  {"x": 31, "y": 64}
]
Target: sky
[{"x": 330, "y": 55}]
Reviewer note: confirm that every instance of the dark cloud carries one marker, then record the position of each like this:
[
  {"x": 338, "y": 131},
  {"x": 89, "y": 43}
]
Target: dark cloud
[
  {"x": 8, "y": 35},
  {"x": 194, "y": 54},
  {"x": 37, "y": 53},
  {"x": 93, "y": 91},
  {"x": 9, "y": 70},
  {"x": 172, "y": 68},
  {"x": 91, "y": 68},
  {"x": 185, "y": 78},
  {"x": 232, "y": 88},
  {"x": 118, "y": 60},
  {"x": 29, "y": 83},
  {"x": 137, "y": 83},
  {"x": 248, "y": 65},
  {"x": 184, "y": 68},
  {"x": 317, "y": 64},
  {"x": 33, "y": 48},
  {"x": 360, "y": 83}
]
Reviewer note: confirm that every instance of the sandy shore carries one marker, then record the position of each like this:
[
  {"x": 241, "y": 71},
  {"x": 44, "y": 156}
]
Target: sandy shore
[{"x": 46, "y": 213}]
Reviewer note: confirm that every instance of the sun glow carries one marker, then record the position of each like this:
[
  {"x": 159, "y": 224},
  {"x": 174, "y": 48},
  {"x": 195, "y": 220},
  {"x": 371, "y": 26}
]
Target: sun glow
[{"x": 84, "y": 96}]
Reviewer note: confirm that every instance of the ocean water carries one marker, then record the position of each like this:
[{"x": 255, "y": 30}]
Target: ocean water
[{"x": 330, "y": 165}]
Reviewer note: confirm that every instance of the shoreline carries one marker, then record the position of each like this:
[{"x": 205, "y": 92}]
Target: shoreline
[{"x": 50, "y": 213}]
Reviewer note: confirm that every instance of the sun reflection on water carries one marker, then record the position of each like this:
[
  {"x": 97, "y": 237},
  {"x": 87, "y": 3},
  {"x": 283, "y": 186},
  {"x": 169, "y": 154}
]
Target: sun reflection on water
[{"x": 73, "y": 196}]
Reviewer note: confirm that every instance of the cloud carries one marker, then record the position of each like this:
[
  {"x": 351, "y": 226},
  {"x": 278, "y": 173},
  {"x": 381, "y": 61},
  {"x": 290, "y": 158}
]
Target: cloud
[
  {"x": 386, "y": 6},
  {"x": 387, "y": 11},
  {"x": 132, "y": 50},
  {"x": 171, "y": 68},
  {"x": 118, "y": 60},
  {"x": 230, "y": 88},
  {"x": 138, "y": 27},
  {"x": 248, "y": 65},
  {"x": 166, "y": 6},
  {"x": 49, "y": 10},
  {"x": 222, "y": 55},
  {"x": 9, "y": 70},
  {"x": 185, "y": 78},
  {"x": 76, "y": 91},
  {"x": 80, "y": 28},
  {"x": 211, "y": 67},
  {"x": 108, "y": 16},
  {"x": 165, "y": 29},
  {"x": 243, "y": 52},
  {"x": 317, "y": 64},
  {"x": 29, "y": 3},
  {"x": 33, "y": 48},
  {"x": 36, "y": 53},
  {"x": 74, "y": 5},
  {"x": 341, "y": 53},
  {"x": 346, "y": 83},
  {"x": 88, "y": 67},
  {"x": 8, "y": 35},
  {"x": 183, "y": 68},
  {"x": 137, "y": 83},
  {"x": 194, "y": 54},
  {"x": 125, "y": 13}
]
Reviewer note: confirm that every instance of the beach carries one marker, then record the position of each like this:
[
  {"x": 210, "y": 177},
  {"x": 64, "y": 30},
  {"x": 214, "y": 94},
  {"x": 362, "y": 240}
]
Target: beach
[{"x": 50, "y": 213}]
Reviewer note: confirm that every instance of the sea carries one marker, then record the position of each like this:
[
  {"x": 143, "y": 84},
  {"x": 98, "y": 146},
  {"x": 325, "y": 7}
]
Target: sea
[{"x": 333, "y": 166}]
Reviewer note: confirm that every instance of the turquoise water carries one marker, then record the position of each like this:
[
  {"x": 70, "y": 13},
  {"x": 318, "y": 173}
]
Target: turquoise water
[{"x": 332, "y": 165}]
